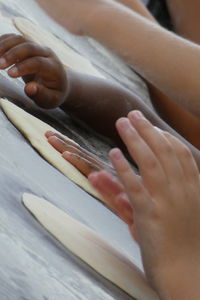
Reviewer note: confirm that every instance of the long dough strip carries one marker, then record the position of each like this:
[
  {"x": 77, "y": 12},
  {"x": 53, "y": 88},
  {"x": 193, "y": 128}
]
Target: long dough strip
[
  {"x": 68, "y": 57},
  {"x": 34, "y": 130},
  {"x": 91, "y": 248}
]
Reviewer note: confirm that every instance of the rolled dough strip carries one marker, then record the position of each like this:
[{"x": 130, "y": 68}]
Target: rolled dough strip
[
  {"x": 91, "y": 248},
  {"x": 68, "y": 57},
  {"x": 34, "y": 129}
]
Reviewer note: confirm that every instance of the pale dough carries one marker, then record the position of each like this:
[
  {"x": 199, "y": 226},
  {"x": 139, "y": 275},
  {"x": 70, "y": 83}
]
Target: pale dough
[
  {"x": 91, "y": 248},
  {"x": 34, "y": 129},
  {"x": 68, "y": 57}
]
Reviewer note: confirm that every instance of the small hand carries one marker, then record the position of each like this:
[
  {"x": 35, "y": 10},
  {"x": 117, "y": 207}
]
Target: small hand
[
  {"x": 165, "y": 202},
  {"x": 41, "y": 70},
  {"x": 115, "y": 197},
  {"x": 83, "y": 160}
]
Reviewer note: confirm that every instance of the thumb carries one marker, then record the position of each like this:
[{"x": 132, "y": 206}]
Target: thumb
[
  {"x": 31, "y": 89},
  {"x": 42, "y": 96}
]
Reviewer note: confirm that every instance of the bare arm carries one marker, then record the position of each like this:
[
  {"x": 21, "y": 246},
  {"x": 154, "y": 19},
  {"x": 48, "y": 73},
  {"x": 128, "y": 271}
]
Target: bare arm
[
  {"x": 169, "y": 108},
  {"x": 99, "y": 103},
  {"x": 184, "y": 122},
  {"x": 158, "y": 55},
  {"x": 180, "y": 119},
  {"x": 167, "y": 61},
  {"x": 139, "y": 7},
  {"x": 185, "y": 16},
  {"x": 47, "y": 83},
  {"x": 168, "y": 238}
]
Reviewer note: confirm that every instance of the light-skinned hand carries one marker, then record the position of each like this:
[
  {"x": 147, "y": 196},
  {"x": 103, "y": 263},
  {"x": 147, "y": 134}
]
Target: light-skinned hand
[{"x": 164, "y": 203}]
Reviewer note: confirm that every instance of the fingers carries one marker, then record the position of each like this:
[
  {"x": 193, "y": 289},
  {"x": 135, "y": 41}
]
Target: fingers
[
  {"x": 16, "y": 48},
  {"x": 83, "y": 160},
  {"x": 124, "y": 209},
  {"x": 43, "y": 96},
  {"x": 165, "y": 164},
  {"x": 62, "y": 145},
  {"x": 132, "y": 184},
  {"x": 73, "y": 154},
  {"x": 40, "y": 65},
  {"x": 9, "y": 41},
  {"x": 83, "y": 165},
  {"x": 47, "y": 95},
  {"x": 59, "y": 144},
  {"x": 106, "y": 183},
  {"x": 185, "y": 157},
  {"x": 49, "y": 134},
  {"x": 5, "y": 36},
  {"x": 159, "y": 145},
  {"x": 149, "y": 166},
  {"x": 30, "y": 58},
  {"x": 22, "y": 52},
  {"x": 114, "y": 195}
]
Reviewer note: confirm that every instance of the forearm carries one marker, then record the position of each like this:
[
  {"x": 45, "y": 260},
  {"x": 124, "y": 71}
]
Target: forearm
[
  {"x": 153, "y": 62},
  {"x": 138, "y": 7},
  {"x": 184, "y": 122},
  {"x": 158, "y": 55},
  {"x": 180, "y": 282},
  {"x": 176, "y": 116},
  {"x": 185, "y": 16},
  {"x": 99, "y": 103}
]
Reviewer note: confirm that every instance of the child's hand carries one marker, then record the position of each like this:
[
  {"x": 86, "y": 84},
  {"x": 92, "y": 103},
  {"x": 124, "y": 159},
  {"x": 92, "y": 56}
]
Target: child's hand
[
  {"x": 83, "y": 160},
  {"x": 115, "y": 197},
  {"x": 41, "y": 70},
  {"x": 166, "y": 204},
  {"x": 90, "y": 165}
]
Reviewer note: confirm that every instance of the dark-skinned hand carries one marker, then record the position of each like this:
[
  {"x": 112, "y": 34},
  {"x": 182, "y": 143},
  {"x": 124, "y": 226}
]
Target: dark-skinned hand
[{"x": 44, "y": 75}]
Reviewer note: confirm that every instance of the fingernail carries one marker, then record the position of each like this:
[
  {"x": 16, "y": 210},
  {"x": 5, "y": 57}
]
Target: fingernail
[
  {"x": 67, "y": 153},
  {"x": 48, "y": 134},
  {"x": 13, "y": 71},
  {"x": 2, "y": 62},
  {"x": 34, "y": 89},
  {"x": 53, "y": 137},
  {"x": 93, "y": 175},
  {"x": 123, "y": 123},
  {"x": 116, "y": 154},
  {"x": 136, "y": 115},
  {"x": 158, "y": 129}
]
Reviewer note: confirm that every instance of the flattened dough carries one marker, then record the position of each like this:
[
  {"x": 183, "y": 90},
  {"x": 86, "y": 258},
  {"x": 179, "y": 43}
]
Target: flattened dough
[
  {"x": 68, "y": 57},
  {"x": 91, "y": 248},
  {"x": 34, "y": 129}
]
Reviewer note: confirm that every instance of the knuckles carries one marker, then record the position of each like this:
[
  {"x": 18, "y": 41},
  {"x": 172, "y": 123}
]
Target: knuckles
[
  {"x": 12, "y": 38},
  {"x": 165, "y": 148},
  {"x": 38, "y": 61},
  {"x": 150, "y": 163},
  {"x": 18, "y": 47},
  {"x": 48, "y": 51},
  {"x": 19, "y": 38},
  {"x": 30, "y": 47},
  {"x": 185, "y": 153},
  {"x": 25, "y": 49}
]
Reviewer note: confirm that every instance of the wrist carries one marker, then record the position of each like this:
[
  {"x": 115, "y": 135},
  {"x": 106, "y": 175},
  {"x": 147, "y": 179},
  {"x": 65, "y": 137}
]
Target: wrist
[
  {"x": 178, "y": 281},
  {"x": 73, "y": 90}
]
